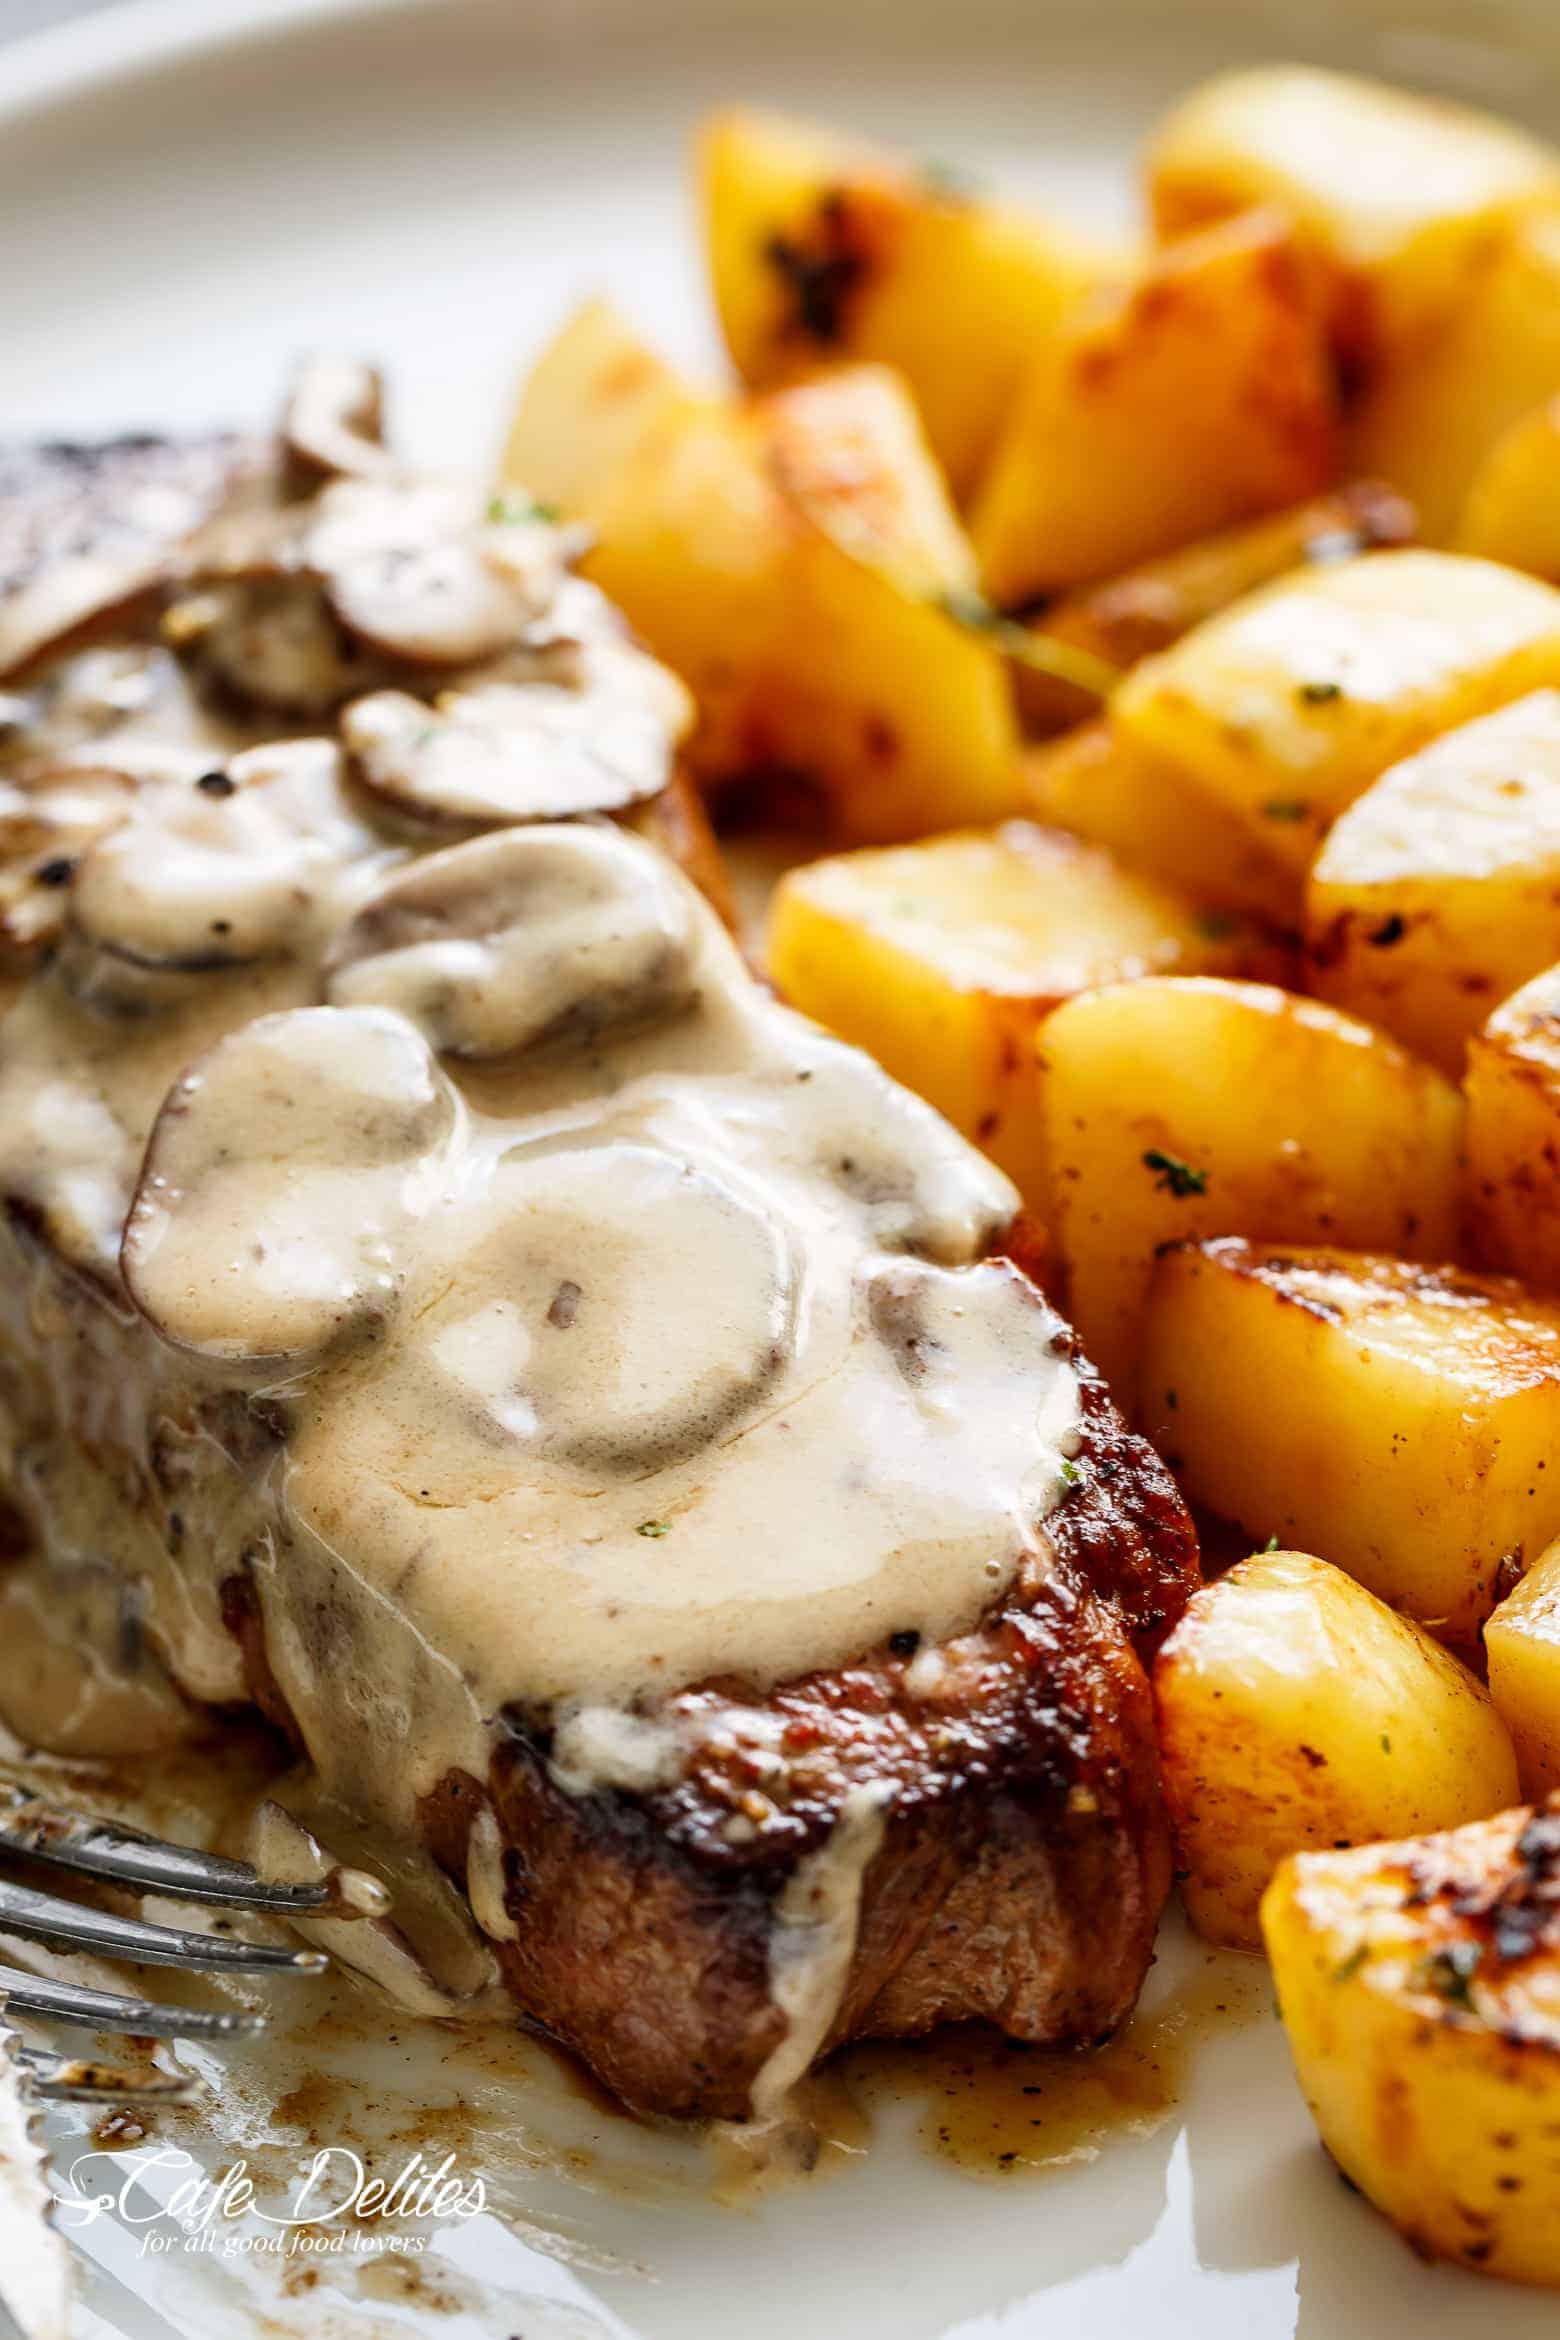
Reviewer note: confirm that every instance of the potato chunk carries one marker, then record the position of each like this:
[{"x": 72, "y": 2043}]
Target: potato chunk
[
  {"x": 1441, "y": 398},
  {"x": 1438, "y": 891},
  {"x": 822, "y": 248},
  {"x": 1198, "y": 395},
  {"x": 1099, "y": 786},
  {"x": 1513, "y": 1135},
  {"x": 942, "y": 959},
  {"x": 1191, "y": 1106},
  {"x": 1292, "y": 703},
  {"x": 1403, "y": 1420},
  {"x": 1420, "y": 1988},
  {"x": 1522, "y": 1644},
  {"x": 1512, "y": 512},
  {"x": 790, "y": 558},
  {"x": 1298, "y": 1711},
  {"x": 1394, "y": 190}
]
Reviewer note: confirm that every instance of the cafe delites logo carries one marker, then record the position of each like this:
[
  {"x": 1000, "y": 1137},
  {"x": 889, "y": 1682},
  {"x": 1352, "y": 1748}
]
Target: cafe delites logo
[{"x": 336, "y": 2206}]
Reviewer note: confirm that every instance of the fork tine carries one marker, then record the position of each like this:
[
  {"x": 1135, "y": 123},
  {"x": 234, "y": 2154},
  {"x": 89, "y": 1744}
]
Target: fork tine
[
  {"x": 104, "y": 1848},
  {"x": 91, "y": 2010},
  {"x": 72, "y": 2080},
  {"x": 71, "y": 1926}
]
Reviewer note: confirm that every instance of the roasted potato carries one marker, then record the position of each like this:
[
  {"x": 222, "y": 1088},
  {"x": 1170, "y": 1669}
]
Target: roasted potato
[
  {"x": 1190, "y": 1106},
  {"x": 1522, "y": 1646},
  {"x": 1512, "y": 1089},
  {"x": 1100, "y": 787},
  {"x": 1147, "y": 608},
  {"x": 1397, "y": 193},
  {"x": 942, "y": 959},
  {"x": 794, "y": 559},
  {"x": 1292, "y": 703},
  {"x": 1438, "y": 891},
  {"x": 1420, "y": 1987},
  {"x": 1440, "y": 399},
  {"x": 1298, "y": 1711},
  {"x": 822, "y": 248},
  {"x": 1512, "y": 511},
  {"x": 1192, "y": 398},
  {"x": 1404, "y": 1420}
]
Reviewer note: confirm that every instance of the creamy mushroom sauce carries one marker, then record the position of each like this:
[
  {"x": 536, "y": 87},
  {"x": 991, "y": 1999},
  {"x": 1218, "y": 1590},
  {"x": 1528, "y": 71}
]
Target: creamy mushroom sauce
[{"x": 527, "y": 1308}]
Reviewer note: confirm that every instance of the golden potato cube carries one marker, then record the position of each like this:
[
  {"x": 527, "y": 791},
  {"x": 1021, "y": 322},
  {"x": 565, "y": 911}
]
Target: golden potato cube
[
  {"x": 1288, "y": 706},
  {"x": 1396, "y": 191},
  {"x": 1438, "y": 891},
  {"x": 942, "y": 959},
  {"x": 1419, "y": 1984},
  {"x": 1439, "y": 400},
  {"x": 789, "y": 558},
  {"x": 1186, "y": 1106},
  {"x": 1144, "y": 809},
  {"x": 1512, "y": 511},
  {"x": 1296, "y": 1711},
  {"x": 1404, "y": 1420},
  {"x": 822, "y": 248},
  {"x": 1147, "y": 608},
  {"x": 1513, "y": 1135},
  {"x": 1522, "y": 1645},
  {"x": 1192, "y": 398}
]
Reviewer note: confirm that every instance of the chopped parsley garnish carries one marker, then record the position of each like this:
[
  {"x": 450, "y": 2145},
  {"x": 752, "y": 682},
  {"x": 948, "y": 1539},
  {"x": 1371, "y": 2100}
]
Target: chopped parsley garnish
[
  {"x": 1386, "y": 1744},
  {"x": 1175, "y": 1176},
  {"x": 515, "y": 511},
  {"x": 1285, "y": 808},
  {"x": 1069, "y": 1474},
  {"x": 654, "y": 1527},
  {"x": 1450, "y": 1971},
  {"x": 966, "y": 607},
  {"x": 1271, "y": 1545},
  {"x": 1349, "y": 1967}
]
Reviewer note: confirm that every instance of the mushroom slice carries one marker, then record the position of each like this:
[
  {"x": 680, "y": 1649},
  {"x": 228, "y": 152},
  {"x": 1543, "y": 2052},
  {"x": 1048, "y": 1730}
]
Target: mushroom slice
[
  {"x": 44, "y": 830},
  {"x": 283, "y": 1173},
  {"x": 563, "y": 1325},
  {"x": 227, "y": 869},
  {"x": 272, "y": 641},
  {"x": 334, "y": 423},
  {"x": 529, "y": 937},
  {"x": 524, "y": 751},
  {"x": 422, "y": 571}
]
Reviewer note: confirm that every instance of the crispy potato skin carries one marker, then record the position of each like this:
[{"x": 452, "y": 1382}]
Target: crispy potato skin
[
  {"x": 789, "y": 558},
  {"x": 1522, "y": 1649},
  {"x": 1403, "y": 1420},
  {"x": 1395, "y": 192},
  {"x": 943, "y": 959},
  {"x": 1420, "y": 1988},
  {"x": 1289, "y": 705},
  {"x": 1263, "y": 1114},
  {"x": 1196, "y": 396},
  {"x": 1437, "y": 893},
  {"x": 1513, "y": 1135},
  {"x": 821, "y": 248},
  {"x": 1296, "y": 1711}
]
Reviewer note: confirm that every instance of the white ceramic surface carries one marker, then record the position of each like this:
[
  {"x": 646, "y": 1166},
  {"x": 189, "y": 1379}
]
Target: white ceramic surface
[{"x": 192, "y": 192}]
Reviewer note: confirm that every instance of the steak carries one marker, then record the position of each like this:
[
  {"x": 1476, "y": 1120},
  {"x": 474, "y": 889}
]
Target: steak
[{"x": 614, "y": 1432}]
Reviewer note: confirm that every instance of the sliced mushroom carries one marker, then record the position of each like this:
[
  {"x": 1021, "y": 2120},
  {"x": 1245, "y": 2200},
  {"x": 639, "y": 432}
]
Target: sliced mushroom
[
  {"x": 272, "y": 642},
  {"x": 524, "y": 939},
  {"x": 44, "y": 830},
  {"x": 334, "y": 423},
  {"x": 564, "y": 1327},
  {"x": 225, "y": 870},
  {"x": 524, "y": 751},
  {"x": 282, "y": 1176}
]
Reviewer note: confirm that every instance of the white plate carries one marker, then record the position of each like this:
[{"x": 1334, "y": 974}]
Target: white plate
[{"x": 189, "y": 194}]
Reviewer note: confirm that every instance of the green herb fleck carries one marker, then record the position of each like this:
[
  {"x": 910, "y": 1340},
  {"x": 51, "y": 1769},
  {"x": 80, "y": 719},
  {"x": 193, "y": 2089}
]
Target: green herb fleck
[
  {"x": 1350, "y": 1966},
  {"x": 1319, "y": 694},
  {"x": 948, "y": 180},
  {"x": 966, "y": 607},
  {"x": 515, "y": 511},
  {"x": 654, "y": 1527},
  {"x": 1070, "y": 1474},
  {"x": 1450, "y": 1971},
  {"x": 1174, "y": 1175},
  {"x": 1286, "y": 808},
  {"x": 1386, "y": 1744},
  {"x": 1271, "y": 1545}
]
